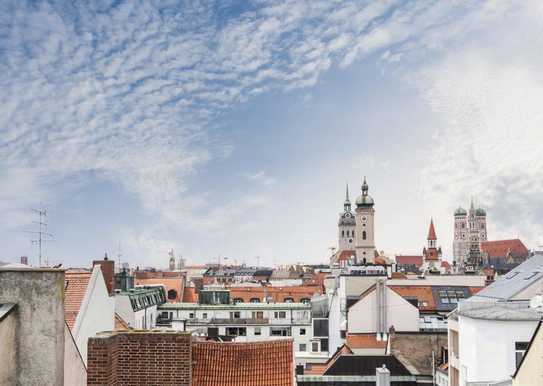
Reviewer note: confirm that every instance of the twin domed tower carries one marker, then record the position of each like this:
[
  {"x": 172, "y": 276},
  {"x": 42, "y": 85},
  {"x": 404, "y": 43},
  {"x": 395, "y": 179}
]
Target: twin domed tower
[{"x": 356, "y": 230}]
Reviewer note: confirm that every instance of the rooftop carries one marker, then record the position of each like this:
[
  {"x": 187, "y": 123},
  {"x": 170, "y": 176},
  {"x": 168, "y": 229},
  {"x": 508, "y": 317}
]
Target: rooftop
[
  {"x": 523, "y": 276},
  {"x": 5, "y": 309},
  {"x": 267, "y": 363},
  {"x": 510, "y": 311},
  {"x": 500, "y": 248},
  {"x": 75, "y": 288}
]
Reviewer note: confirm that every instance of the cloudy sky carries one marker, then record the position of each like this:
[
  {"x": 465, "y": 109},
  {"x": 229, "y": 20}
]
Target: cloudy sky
[{"x": 230, "y": 128}]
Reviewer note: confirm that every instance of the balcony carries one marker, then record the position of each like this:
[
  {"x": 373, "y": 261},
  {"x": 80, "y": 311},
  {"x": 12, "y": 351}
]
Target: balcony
[{"x": 228, "y": 321}]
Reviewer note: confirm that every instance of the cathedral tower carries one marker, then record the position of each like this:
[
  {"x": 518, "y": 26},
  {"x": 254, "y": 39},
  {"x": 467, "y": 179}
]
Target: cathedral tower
[
  {"x": 346, "y": 225},
  {"x": 364, "y": 232}
]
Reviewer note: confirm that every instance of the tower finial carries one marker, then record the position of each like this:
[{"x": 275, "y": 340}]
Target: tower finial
[
  {"x": 365, "y": 187},
  {"x": 472, "y": 204},
  {"x": 347, "y": 192}
]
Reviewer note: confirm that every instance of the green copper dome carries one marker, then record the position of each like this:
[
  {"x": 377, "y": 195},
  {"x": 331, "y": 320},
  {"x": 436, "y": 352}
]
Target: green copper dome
[
  {"x": 480, "y": 212},
  {"x": 460, "y": 212}
]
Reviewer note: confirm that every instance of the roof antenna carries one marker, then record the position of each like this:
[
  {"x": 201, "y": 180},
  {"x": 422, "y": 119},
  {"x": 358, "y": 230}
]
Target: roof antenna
[{"x": 42, "y": 235}]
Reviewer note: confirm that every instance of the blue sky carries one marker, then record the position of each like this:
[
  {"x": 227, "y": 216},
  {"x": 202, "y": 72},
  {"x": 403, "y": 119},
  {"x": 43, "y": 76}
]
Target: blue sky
[{"x": 231, "y": 129}]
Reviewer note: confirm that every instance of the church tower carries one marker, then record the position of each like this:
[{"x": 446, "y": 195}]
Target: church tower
[
  {"x": 346, "y": 225},
  {"x": 364, "y": 232},
  {"x": 431, "y": 254}
]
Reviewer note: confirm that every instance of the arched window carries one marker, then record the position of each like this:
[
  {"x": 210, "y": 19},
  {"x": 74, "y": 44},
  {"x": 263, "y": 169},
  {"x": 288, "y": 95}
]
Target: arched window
[
  {"x": 172, "y": 294},
  {"x": 255, "y": 300},
  {"x": 305, "y": 300},
  {"x": 288, "y": 300},
  {"x": 363, "y": 235},
  {"x": 352, "y": 233},
  {"x": 342, "y": 233},
  {"x": 238, "y": 300}
]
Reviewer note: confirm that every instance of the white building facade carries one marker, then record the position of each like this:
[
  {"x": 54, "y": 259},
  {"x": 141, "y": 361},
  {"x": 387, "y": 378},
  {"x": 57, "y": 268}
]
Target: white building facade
[{"x": 249, "y": 322}]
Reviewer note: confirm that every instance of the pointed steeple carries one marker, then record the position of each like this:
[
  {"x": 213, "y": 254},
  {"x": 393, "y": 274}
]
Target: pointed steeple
[
  {"x": 472, "y": 207},
  {"x": 347, "y": 203},
  {"x": 432, "y": 231}
]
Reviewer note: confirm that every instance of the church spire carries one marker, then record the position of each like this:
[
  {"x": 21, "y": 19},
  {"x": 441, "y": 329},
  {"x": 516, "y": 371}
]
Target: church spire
[
  {"x": 432, "y": 231},
  {"x": 347, "y": 203}
]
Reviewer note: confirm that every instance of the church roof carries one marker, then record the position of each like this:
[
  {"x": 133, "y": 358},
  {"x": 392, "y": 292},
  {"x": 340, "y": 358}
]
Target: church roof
[
  {"x": 500, "y": 248},
  {"x": 432, "y": 231}
]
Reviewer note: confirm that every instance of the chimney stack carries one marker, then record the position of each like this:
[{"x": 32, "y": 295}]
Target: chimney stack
[
  {"x": 108, "y": 271},
  {"x": 382, "y": 376},
  {"x": 24, "y": 260}
]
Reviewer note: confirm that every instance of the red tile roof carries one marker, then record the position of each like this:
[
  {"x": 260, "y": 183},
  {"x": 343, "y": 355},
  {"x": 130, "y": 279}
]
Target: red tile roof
[
  {"x": 277, "y": 294},
  {"x": 190, "y": 295},
  {"x": 432, "y": 231},
  {"x": 75, "y": 283},
  {"x": 422, "y": 293},
  {"x": 345, "y": 255},
  {"x": 500, "y": 248},
  {"x": 359, "y": 341},
  {"x": 409, "y": 260},
  {"x": 120, "y": 324},
  {"x": 269, "y": 363}
]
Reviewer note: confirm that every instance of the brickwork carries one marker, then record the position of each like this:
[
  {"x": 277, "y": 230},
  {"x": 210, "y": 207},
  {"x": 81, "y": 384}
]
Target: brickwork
[
  {"x": 108, "y": 271},
  {"x": 140, "y": 358}
]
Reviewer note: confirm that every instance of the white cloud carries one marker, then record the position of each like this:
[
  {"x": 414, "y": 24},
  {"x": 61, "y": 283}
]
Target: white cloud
[{"x": 131, "y": 91}]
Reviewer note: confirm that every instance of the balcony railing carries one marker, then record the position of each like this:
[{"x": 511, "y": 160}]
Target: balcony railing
[{"x": 228, "y": 321}]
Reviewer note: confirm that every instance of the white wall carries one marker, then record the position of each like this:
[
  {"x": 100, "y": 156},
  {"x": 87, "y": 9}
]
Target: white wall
[
  {"x": 75, "y": 372},
  {"x": 400, "y": 313},
  {"x": 487, "y": 347},
  {"x": 97, "y": 312}
]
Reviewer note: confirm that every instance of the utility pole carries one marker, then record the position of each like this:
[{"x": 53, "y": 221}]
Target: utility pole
[{"x": 42, "y": 235}]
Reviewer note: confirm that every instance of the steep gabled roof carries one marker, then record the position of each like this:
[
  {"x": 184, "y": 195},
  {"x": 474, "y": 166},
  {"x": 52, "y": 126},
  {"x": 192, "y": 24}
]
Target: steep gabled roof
[
  {"x": 500, "y": 248},
  {"x": 75, "y": 288},
  {"x": 267, "y": 363}
]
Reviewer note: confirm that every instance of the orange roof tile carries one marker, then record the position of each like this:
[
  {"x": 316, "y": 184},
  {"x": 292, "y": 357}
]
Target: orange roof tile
[
  {"x": 169, "y": 283},
  {"x": 500, "y": 248},
  {"x": 345, "y": 255},
  {"x": 315, "y": 368},
  {"x": 190, "y": 295},
  {"x": 278, "y": 294},
  {"x": 409, "y": 260},
  {"x": 422, "y": 293},
  {"x": 120, "y": 324},
  {"x": 269, "y": 363},
  {"x": 75, "y": 283},
  {"x": 358, "y": 341}
]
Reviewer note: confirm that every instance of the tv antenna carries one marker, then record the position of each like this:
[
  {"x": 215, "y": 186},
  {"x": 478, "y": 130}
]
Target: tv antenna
[{"x": 42, "y": 235}]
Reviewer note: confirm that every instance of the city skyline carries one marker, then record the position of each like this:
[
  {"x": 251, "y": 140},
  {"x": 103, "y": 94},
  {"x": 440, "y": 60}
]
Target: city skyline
[{"x": 231, "y": 130}]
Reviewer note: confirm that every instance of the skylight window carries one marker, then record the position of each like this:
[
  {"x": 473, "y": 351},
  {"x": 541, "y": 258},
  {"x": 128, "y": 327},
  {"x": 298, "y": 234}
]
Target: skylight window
[
  {"x": 531, "y": 275},
  {"x": 512, "y": 275}
]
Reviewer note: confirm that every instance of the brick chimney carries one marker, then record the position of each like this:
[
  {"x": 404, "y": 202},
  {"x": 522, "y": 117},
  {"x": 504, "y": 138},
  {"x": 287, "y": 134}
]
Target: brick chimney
[{"x": 108, "y": 271}]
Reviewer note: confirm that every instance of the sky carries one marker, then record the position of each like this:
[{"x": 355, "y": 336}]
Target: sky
[{"x": 228, "y": 130}]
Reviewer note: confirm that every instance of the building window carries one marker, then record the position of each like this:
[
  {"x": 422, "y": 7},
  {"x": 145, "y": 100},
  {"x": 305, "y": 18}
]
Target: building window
[
  {"x": 342, "y": 233},
  {"x": 305, "y": 300},
  {"x": 204, "y": 315},
  {"x": 191, "y": 315},
  {"x": 280, "y": 331},
  {"x": 288, "y": 300},
  {"x": 302, "y": 347},
  {"x": 520, "y": 349},
  {"x": 352, "y": 233},
  {"x": 238, "y": 300},
  {"x": 363, "y": 235},
  {"x": 280, "y": 314},
  {"x": 258, "y": 331},
  {"x": 315, "y": 346},
  {"x": 302, "y": 331},
  {"x": 255, "y": 300},
  {"x": 235, "y": 315},
  {"x": 324, "y": 344},
  {"x": 236, "y": 331}
]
